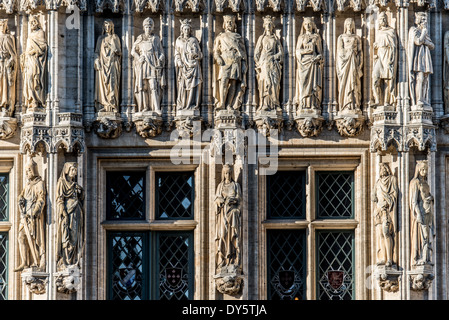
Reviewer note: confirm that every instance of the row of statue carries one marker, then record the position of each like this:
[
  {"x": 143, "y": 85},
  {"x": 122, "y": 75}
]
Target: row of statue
[
  {"x": 69, "y": 218},
  {"x": 421, "y": 204},
  {"x": 231, "y": 66}
]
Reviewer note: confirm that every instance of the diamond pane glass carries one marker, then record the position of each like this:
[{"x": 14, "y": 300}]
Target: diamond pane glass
[
  {"x": 335, "y": 194},
  {"x": 125, "y": 195},
  {"x": 335, "y": 265},
  {"x": 3, "y": 197},
  {"x": 174, "y": 195},
  {"x": 175, "y": 266},
  {"x": 127, "y": 266},
  {"x": 286, "y": 264},
  {"x": 286, "y": 194},
  {"x": 3, "y": 266}
]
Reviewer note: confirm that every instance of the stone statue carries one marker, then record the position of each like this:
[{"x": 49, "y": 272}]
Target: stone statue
[
  {"x": 419, "y": 61},
  {"x": 309, "y": 72},
  {"x": 188, "y": 57},
  {"x": 349, "y": 64},
  {"x": 34, "y": 66},
  {"x": 8, "y": 69},
  {"x": 421, "y": 209},
  {"x": 231, "y": 64},
  {"x": 228, "y": 238},
  {"x": 385, "y": 196},
  {"x": 268, "y": 57},
  {"x": 149, "y": 63},
  {"x": 31, "y": 235},
  {"x": 108, "y": 55},
  {"x": 446, "y": 72},
  {"x": 385, "y": 63},
  {"x": 70, "y": 217}
]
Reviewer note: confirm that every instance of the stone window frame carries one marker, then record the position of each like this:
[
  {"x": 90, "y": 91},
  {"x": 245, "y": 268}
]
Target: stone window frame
[
  {"x": 150, "y": 166},
  {"x": 311, "y": 161}
]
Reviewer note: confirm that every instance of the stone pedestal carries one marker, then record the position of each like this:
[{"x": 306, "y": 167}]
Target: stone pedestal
[
  {"x": 229, "y": 281},
  {"x": 350, "y": 124},
  {"x": 35, "y": 281},
  {"x": 68, "y": 280},
  {"x": 309, "y": 124},
  {"x": 108, "y": 125},
  {"x": 388, "y": 278},
  {"x": 421, "y": 277},
  {"x": 267, "y": 121},
  {"x": 148, "y": 123},
  {"x": 188, "y": 123},
  {"x": 228, "y": 119},
  {"x": 8, "y": 127}
]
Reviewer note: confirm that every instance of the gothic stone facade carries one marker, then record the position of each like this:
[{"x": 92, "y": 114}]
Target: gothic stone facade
[{"x": 138, "y": 138}]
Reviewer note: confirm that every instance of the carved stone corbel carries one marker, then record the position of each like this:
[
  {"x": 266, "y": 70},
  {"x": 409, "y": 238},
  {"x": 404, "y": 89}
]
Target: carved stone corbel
[
  {"x": 35, "y": 281},
  {"x": 421, "y": 277},
  {"x": 229, "y": 284},
  {"x": 309, "y": 125},
  {"x": 384, "y": 135},
  {"x": 35, "y": 130},
  {"x": 8, "y": 127},
  {"x": 148, "y": 124},
  {"x": 267, "y": 121},
  {"x": 69, "y": 131},
  {"x": 69, "y": 280},
  {"x": 228, "y": 119},
  {"x": 421, "y": 137},
  {"x": 388, "y": 278},
  {"x": 350, "y": 125},
  {"x": 188, "y": 126},
  {"x": 108, "y": 125}
]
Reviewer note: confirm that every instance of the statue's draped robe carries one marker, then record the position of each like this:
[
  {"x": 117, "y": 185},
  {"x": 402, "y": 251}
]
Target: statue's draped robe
[{"x": 8, "y": 71}]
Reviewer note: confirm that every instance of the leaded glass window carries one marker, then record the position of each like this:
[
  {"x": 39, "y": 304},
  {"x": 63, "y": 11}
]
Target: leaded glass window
[
  {"x": 125, "y": 195},
  {"x": 3, "y": 266},
  {"x": 335, "y": 194},
  {"x": 286, "y": 264},
  {"x": 127, "y": 274},
  {"x": 286, "y": 194},
  {"x": 4, "y": 197},
  {"x": 174, "y": 195},
  {"x": 335, "y": 263},
  {"x": 175, "y": 262}
]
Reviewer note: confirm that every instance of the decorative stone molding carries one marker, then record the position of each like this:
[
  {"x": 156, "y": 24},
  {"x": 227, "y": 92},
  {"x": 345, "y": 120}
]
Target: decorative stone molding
[
  {"x": 309, "y": 125},
  {"x": 421, "y": 278},
  {"x": 275, "y": 5},
  {"x": 383, "y": 136},
  {"x": 68, "y": 280},
  {"x": 36, "y": 281},
  {"x": 228, "y": 119},
  {"x": 317, "y": 5},
  {"x": 34, "y": 131},
  {"x": 350, "y": 125},
  {"x": 152, "y": 5},
  {"x": 8, "y": 127},
  {"x": 388, "y": 278},
  {"x": 114, "y": 5},
  {"x": 188, "y": 5},
  {"x": 108, "y": 125},
  {"x": 69, "y": 132},
  {"x": 148, "y": 124},
  {"x": 234, "y": 5},
  {"x": 228, "y": 139},
  {"x": 8, "y": 6},
  {"x": 355, "y": 5},
  {"x": 420, "y": 137}
]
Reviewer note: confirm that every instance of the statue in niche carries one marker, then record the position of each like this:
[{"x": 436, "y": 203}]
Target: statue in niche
[
  {"x": 446, "y": 72},
  {"x": 228, "y": 238},
  {"x": 8, "y": 69},
  {"x": 268, "y": 57},
  {"x": 188, "y": 57},
  {"x": 107, "y": 65},
  {"x": 349, "y": 65},
  {"x": 385, "y": 196},
  {"x": 419, "y": 61},
  {"x": 385, "y": 63},
  {"x": 309, "y": 72},
  {"x": 70, "y": 217},
  {"x": 149, "y": 63},
  {"x": 33, "y": 62},
  {"x": 231, "y": 61},
  {"x": 31, "y": 236},
  {"x": 421, "y": 209}
]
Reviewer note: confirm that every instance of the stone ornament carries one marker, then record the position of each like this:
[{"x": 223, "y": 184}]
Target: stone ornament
[
  {"x": 188, "y": 57},
  {"x": 228, "y": 263},
  {"x": 420, "y": 62},
  {"x": 34, "y": 67},
  {"x": 421, "y": 217},
  {"x": 108, "y": 54},
  {"x": 446, "y": 72},
  {"x": 70, "y": 218},
  {"x": 231, "y": 66},
  {"x": 149, "y": 63},
  {"x": 268, "y": 58},
  {"x": 8, "y": 70},
  {"x": 385, "y": 197},
  {"x": 31, "y": 235},
  {"x": 384, "y": 76}
]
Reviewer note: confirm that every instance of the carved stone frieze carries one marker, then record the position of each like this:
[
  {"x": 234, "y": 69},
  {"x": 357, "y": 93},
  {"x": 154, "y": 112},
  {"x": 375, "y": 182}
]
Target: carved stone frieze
[
  {"x": 36, "y": 281},
  {"x": 108, "y": 125},
  {"x": 148, "y": 124}
]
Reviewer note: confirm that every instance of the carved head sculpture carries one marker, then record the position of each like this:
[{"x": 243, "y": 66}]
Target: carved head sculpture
[
  {"x": 349, "y": 26},
  {"x": 70, "y": 171},
  {"x": 382, "y": 19},
  {"x": 384, "y": 170},
  {"x": 229, "y": 22},
  {"x": 308, "y": 25},
  {"x": 34, "y": 23},
  {"x": 4, "y": 26},
  {"x": 226, "y": 173},
  {"x": 148, "y": 25},
  {"x": 421, "y": 169},
  {"x": 108, "y": 26},
  {"x": 31, "y": 170},
  {"x": 421, "y": 19},
  {"x": 268, "y": 24},
  {"x": 186, "y": 27}
]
